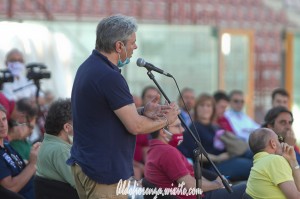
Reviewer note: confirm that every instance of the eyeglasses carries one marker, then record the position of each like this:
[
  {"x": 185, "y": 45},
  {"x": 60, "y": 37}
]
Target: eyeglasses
[
  {"x": 238, "y": 101},
  {"x": 16, "y": 123}
]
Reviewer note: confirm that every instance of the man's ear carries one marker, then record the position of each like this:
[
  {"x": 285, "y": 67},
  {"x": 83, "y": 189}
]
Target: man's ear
[
  {"x": 272, "y": 143},
  {"x": 66, "y": 127},
  {"x": 118, "y": 46}
]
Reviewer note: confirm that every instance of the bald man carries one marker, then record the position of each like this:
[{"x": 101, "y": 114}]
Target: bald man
[{"x": 275, "y": 172}]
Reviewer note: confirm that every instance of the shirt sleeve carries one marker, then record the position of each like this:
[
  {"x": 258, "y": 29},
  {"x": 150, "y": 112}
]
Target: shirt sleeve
[
  {"x": 280, "y": 171},
  {"x": 172, "y": 164},
  {"x": 63, "y": 169},
  {"x": 116, "y": 91}
]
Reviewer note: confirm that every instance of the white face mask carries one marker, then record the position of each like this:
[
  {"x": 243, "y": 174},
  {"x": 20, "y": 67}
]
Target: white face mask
[
  {"x": 16, "y": 68},
  {"x": 170, "y": 135},
  {"x": 70, "y": 137}
]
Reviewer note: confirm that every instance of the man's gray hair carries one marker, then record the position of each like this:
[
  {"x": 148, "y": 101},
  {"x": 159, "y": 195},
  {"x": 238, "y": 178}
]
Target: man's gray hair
[{"x": 112, "y": 29}]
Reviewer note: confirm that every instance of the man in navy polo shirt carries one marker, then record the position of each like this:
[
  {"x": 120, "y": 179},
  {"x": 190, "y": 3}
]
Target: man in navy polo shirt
[{"x": 105, "y": 118}]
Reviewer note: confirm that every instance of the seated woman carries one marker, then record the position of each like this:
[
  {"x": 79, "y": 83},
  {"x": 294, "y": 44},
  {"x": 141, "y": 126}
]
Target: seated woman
[
  {"x": 56, "y": 146},
  {"x": 237, "y": 168},
  {"x": 15, "y": 175}
]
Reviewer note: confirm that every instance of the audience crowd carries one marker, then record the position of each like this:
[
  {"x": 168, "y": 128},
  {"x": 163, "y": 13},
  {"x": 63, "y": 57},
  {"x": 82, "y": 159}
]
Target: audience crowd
[{"x": 260, "y": 160}]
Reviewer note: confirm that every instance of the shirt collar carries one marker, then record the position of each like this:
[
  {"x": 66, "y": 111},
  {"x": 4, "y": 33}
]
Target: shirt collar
[
  {"x": 54, "y": 138},
  {"x": 104, "y": 58},
  {"x": 155, "y": 142},
  {"x": 260, "y": 155}
]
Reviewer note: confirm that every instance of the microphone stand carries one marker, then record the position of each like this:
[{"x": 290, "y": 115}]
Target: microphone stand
[{"x": 197, "y": 152}]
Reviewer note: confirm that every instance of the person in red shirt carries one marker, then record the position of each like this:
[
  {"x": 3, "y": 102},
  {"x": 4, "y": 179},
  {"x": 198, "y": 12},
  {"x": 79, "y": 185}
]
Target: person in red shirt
[
  {"x": 141, "y": 146},
  {"x": 222, "y": 101},
  {"x": 166, "y": 167}
]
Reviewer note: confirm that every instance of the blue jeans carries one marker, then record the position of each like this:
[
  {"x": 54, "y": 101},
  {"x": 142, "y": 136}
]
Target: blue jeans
[{"x": 237, "y": 168}]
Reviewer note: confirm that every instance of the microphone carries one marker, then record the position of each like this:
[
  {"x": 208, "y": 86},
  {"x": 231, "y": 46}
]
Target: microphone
[{"x": 142, "y": 63}]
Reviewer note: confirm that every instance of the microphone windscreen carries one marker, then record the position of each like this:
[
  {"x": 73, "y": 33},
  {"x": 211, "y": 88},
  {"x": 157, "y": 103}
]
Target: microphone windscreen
[{"x": 140, "y": 62}]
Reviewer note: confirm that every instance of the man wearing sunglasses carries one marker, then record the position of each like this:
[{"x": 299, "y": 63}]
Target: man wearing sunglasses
[
  {"x": 275, "y": 172},
  {"x": 241, "y": 123}
]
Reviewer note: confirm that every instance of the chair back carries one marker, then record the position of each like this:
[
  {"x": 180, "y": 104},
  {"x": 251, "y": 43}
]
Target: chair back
[
  {"x": 53, "y": 189},
  {"x": 5, "y": 193}
]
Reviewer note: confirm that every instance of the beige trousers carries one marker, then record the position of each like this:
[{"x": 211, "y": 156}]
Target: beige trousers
[{"x": 89, "y": 189}]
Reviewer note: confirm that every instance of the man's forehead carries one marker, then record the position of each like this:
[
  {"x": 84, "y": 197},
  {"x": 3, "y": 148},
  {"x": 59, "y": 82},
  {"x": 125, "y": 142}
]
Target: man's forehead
[
  {"x": 280, "y": 96},
  {"x": 15, "y": 56},
  {"x": 284, "y": 115},
  {"x": 237, "y": 95}
]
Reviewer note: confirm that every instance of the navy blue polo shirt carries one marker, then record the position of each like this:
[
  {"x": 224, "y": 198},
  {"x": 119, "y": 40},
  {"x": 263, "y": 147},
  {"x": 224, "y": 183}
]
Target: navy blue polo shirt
[
  {"x": 11, "y": 164},
  {"x": 102, "y": 146}
]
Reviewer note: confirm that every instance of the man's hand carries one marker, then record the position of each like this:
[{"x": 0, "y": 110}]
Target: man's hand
[
  {"x": 34, "y": 152},
  {"x": 288, "y": 153},
  {"x": 171, "y": 113},
  {"x": 289, "y": 137},
  {"x": 154, "y": 110}
]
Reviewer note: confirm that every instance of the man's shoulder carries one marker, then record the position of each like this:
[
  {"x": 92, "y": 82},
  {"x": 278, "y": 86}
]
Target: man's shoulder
[
  {"x": 170, "y": 152},
  {"x": 273, "y": 159},
  {"x": 164, "y": 149},
  {"x": 55, "y": 146}
]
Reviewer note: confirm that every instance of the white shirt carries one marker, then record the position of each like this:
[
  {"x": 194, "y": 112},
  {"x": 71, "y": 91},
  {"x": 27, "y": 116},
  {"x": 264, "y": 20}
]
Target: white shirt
[
  {"x": 19, "y": 88},
  {"x": 241, "y": 123}
]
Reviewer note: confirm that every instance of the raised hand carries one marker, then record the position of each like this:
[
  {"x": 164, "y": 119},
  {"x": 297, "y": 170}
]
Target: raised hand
[
  {"x": 172, "y": 112},
  {"x": 34, "y": 152},
  {"x": 154, "y": 110},
  {"x": 289, "y": 137},
  {"x": 288, "y": 153}
]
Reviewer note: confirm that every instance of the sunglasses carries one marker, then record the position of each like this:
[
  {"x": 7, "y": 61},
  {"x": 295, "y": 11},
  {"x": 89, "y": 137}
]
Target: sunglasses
[
  {"x": 238, "y": 101},
  {"x": 280, "y": 139}
]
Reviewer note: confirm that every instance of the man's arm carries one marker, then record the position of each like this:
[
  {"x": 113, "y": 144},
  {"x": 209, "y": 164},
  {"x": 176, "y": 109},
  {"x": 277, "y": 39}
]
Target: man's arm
[
  {"x": 16, "y": 183},
  {"x": 289, "y": 154},
  {"x": 217, "y": 158},
  {"x": 190, "y": 182},
  {"x": 289, "y": 189}
]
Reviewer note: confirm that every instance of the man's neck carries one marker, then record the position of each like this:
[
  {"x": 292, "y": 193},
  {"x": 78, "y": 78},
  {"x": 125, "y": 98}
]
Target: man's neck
[
  {"x": 112, "y": 57},
  {"x": 63, "y": 136}
]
